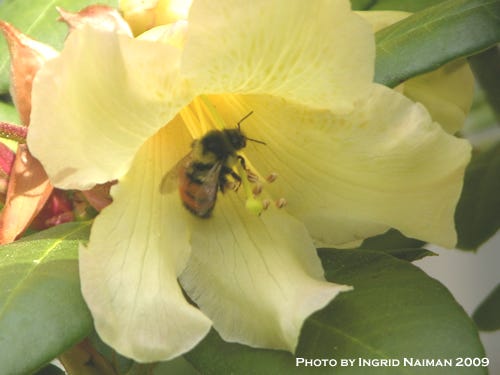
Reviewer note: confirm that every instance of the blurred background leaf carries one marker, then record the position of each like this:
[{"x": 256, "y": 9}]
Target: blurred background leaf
[
  {"x": 486, "y": 67},
  {"x": 404, "y": 5},
  {"x": 477, "y": 216},
  {"x": 50, "y": 370}
]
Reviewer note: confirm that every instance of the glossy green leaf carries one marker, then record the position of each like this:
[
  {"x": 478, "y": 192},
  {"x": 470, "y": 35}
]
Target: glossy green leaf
[
  {"x": 38, "y": 19},
  {"x": 405, "y": 5},
  {"x": 391, "y": 239},
  {"x": 42, "y": 312},
  {"x": 487, "y": 315},
  {"x": 395, "y": 311},
  {"x": 434, "y": 36},
  {"x": 408, "y": 254},
  {"x": 361, "y": 4},
  {"x": 478, "y": 211}
]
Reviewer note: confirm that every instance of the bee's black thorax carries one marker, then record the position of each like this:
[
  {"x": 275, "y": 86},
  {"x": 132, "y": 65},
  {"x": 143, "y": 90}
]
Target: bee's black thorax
[{"x": 222, "y": 143}]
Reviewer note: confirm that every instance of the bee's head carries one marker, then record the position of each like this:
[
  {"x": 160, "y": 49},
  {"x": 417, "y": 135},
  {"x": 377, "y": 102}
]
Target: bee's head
[{"x": 236, "y": 138}]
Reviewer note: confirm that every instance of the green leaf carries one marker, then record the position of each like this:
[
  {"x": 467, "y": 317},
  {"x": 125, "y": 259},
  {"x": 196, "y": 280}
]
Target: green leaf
[
  {"x": 37, "y": 19},
  {"x": 8, "y": 113},
  {"x": 42, "y": 312},
  {"x": 395, "y": 311},
  {"x": 404, "y": 5},
  {"x": 362, "y": 4},
  {"x": 408, "y": 254},
  {"x": 430, "y": 38},
  {"x": 477, "y": 216},
  {"x": 178, "y": 366},
  {"x": 50, "y": 370},
  {"x": 391, "y": 239},
  {"x": 487, "y": 315},
  {"x": 121, "y": 364},
  {"x": 396, "y": 244}
]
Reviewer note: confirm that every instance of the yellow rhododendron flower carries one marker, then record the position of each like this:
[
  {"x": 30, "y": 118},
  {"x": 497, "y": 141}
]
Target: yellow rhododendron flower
[
  {"x": 353, "y": 159},
  {"x": 143, "y": 15}
]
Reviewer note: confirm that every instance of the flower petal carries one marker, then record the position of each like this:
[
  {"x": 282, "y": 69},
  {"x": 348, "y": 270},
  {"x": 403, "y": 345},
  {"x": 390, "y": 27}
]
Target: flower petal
[
  {"x": 27, "y": 192},
  {"x": 384, "y": 165},
  {"x": 257, "y": 278},
  {"x": 446, "y": 93},
  {"x": 97, "y": 103},
  {"x": 318, "y": 53},
  {"x": 27, "y": 56},
  {"x": 138, "y": 246},
  {"x": 143, "y": 15}
]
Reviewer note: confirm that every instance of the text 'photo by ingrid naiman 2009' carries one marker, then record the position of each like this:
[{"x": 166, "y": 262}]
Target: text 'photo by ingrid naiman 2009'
[{"x": 244, "y": 187}]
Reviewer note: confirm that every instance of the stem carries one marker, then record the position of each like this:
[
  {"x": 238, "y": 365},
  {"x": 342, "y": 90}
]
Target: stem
[
  {"x": 13, "y": 132},
  {"x": 253, "y": 205}
]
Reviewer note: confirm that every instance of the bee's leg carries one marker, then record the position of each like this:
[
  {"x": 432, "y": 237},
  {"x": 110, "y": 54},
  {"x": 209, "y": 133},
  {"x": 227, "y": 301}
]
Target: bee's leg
[
  {"x": 224, "y": 183},
  {"x": 252, "y": 177},
  {"x": 243, "y": 162},
  {"x": 236, "y": 178}
]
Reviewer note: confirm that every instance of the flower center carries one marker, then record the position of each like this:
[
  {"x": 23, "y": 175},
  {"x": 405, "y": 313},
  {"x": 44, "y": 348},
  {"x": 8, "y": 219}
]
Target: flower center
[{"x": 215, "y": 158}]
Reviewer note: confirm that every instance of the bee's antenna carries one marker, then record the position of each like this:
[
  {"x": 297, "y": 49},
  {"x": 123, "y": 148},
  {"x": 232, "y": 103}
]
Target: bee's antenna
[
  {"x": 243, "y": 119},
  {"x": 255, "y": 140},
  {"x": 249, "y": 139}
]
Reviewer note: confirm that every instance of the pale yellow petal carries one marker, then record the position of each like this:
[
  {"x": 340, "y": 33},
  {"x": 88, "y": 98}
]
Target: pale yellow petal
[
  {"x": 380, "y": 19},
  {"x": 256, "y": 278},
  {"x": 446, "y": 93},
  {"x": 317, "y": 53},
  {"x": 138, "y": 246},
  {"x": 143, "y": 15},
  {"x": 98, "y": 102},
  {"x": 349, "y": 177}
]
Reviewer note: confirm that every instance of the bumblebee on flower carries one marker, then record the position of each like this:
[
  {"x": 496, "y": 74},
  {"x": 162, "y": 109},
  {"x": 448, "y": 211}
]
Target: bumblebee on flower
[{"x": 354, "y": 159}]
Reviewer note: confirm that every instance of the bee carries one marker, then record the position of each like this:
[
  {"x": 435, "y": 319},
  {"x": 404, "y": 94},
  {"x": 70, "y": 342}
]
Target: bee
[{"x": 206, "y": 168}]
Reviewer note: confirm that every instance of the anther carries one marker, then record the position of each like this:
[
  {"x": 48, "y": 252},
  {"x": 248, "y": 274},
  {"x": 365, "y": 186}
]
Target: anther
[
  {"x": 257, "y": 189},
  {"x": 272, "y": 177},
  {"x": 280, "y": 203},
  {"x": 266, "y": 203},
  {"x": 231, "y": 185},
  {"x": 252, "y": 177}
]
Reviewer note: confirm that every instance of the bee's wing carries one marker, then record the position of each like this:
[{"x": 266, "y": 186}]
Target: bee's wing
[
  {"x": 170, "y": 180},
  {"x": 210, "y": 180}
]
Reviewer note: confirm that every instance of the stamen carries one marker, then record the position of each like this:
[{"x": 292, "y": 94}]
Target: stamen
[
  {"x": 252, "y": 204},
  {"x": 257, "y": 189},
  {"x": 252, "y": 177},
  {"x": 266, "y": 203},
  {"x": 280, "y": 203},
  {"x": 272, "y": 177},
  {"x": 231, "y": 185}
]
